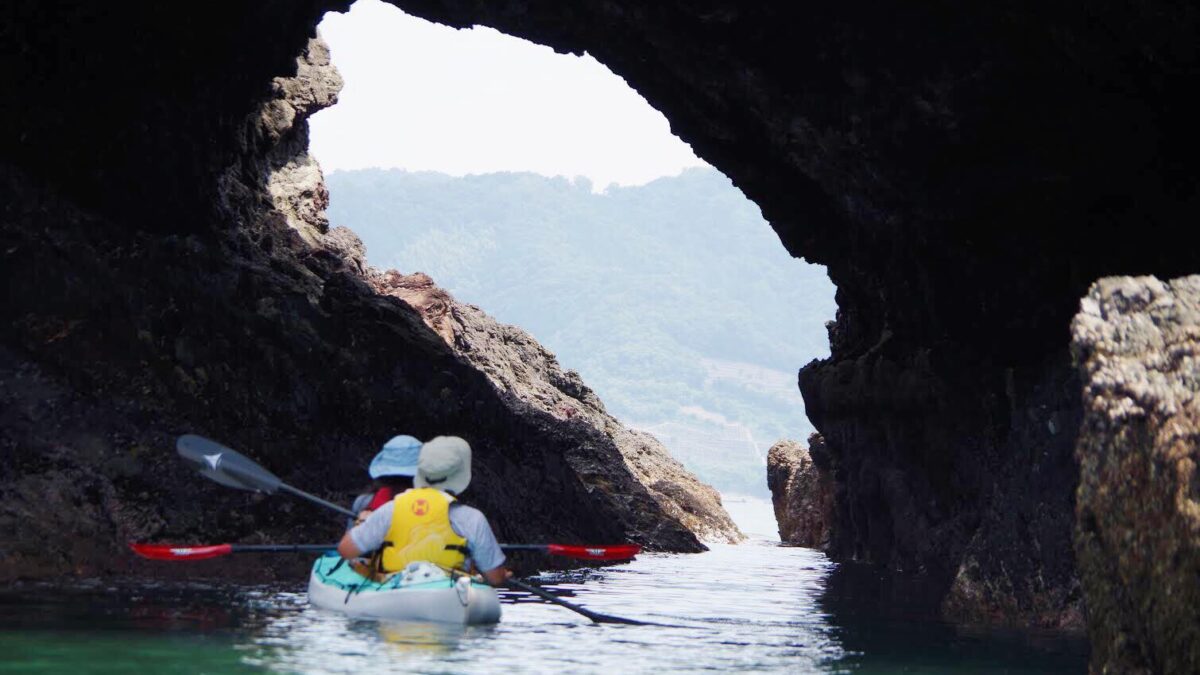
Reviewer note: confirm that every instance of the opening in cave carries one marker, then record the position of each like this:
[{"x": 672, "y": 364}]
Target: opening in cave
[{"x": 542, "y": 188}]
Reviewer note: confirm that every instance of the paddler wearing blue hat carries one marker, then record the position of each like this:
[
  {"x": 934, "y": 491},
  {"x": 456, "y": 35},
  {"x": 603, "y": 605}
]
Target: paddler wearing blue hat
[
  {"x": 392, "y": 472},
  {"x": 428, "y": 524}
]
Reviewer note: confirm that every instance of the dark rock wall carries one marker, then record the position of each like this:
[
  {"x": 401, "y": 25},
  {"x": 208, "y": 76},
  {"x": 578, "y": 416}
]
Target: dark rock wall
[
  {"x": 135, "y": 108},
  {"x": 964, "y": 171}
]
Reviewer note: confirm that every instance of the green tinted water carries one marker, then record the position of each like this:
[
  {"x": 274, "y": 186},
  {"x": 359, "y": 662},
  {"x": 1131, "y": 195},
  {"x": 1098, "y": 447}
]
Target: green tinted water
[{"x": 756, "y": 607}]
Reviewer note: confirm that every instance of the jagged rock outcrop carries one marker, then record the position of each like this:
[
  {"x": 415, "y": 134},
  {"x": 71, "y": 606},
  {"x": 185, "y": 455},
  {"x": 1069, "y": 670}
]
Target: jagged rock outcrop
[
  {"x": 801, "y": 487},
  {"x": 1137, "y": 532},
  {"x": 963, "y": 170},
  {"x": 529, "y": 376},
  {"x": 296, "y": 185}
]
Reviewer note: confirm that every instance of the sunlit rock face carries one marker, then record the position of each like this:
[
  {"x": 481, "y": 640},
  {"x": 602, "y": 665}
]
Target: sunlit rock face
[
  {"x": 1137, "y": 341},
  {"x": 529, "y": 377},
  {"x": 965, "y": 172},
  {"x": 801, "y": 485}
]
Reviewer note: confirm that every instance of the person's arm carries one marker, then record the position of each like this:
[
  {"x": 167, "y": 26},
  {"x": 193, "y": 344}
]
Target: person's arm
[
  {"x": 498, "y": 576},
  {"x": 347, "y": 548},
  {"x": 471, "y": 524},
  {"x": 367, "y": 536},
  {"x": 359, "y": 506}
]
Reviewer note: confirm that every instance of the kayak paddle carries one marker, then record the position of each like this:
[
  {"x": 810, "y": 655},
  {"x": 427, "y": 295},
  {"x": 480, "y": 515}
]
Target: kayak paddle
[
  {"x": 206, "y": 551},
  {"x": 233, "y": 469},
  {"x": 594, "y": 616},
  {"x": 589, "y": 552},
  {"x": 230, "y": 468}
]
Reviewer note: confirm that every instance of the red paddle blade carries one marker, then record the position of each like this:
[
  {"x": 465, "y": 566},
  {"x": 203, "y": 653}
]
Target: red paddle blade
[
  {"x": 176, "y": 552},
  {"x": 613, "y": 552}
]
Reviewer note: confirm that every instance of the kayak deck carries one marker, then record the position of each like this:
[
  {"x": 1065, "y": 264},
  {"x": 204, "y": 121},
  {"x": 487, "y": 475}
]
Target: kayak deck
[{"x": 432, "y": 597}]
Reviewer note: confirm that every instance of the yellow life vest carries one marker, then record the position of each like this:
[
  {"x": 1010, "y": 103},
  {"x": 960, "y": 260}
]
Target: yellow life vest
[{"x": 420, "y": 530}]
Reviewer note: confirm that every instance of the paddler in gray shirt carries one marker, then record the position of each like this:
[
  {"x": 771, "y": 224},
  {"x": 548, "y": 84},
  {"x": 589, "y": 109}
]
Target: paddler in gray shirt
[{"x": 428, "y": 524}]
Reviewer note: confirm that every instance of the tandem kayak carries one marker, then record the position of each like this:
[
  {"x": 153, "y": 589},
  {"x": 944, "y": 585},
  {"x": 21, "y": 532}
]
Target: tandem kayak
[{"x": 422, "y": 592}]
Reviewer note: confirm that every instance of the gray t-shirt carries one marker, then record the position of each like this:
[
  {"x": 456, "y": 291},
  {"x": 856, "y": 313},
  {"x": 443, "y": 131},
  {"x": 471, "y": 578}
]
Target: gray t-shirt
[{"x": 468, "y": 522}]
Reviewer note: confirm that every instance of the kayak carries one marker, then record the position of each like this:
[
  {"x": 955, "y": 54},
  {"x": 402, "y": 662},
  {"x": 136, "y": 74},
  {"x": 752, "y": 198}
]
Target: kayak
[{"x": 422, "y": 592}]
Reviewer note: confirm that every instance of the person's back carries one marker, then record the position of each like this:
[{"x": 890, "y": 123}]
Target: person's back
[{"x": 428, "y": 524}]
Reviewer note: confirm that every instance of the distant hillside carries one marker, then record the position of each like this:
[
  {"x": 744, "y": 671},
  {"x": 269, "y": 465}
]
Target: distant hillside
[{"x": 674, "y": 300}]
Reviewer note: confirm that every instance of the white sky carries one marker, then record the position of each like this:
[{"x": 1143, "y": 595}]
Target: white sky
[{"x": 422, "y": 96}]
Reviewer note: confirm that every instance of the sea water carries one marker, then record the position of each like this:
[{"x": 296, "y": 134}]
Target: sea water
[{"x": 754, "y": 607}]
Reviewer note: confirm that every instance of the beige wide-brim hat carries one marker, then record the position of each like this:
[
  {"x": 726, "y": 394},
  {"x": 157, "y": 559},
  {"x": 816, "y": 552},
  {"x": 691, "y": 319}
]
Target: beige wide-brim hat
[{"x": 445, "y": 464}]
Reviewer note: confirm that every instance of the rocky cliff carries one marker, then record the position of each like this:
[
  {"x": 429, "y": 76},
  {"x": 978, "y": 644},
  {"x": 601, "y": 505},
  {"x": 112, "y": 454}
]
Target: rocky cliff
[
  {"x": 263, "y": 330},
  {"x": 801, "y": 485},
  {"x": 965, "y": 171},
  {"x": 1137, "y": 533},
  {"x": 529, "y": 377}
]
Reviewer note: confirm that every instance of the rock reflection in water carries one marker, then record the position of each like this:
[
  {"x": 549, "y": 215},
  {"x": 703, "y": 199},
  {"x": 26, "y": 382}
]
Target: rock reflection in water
[{"x": 884, "y": 620}]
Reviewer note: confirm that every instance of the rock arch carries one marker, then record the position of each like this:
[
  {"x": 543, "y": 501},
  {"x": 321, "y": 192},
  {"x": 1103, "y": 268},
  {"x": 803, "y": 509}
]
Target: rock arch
[{"x": 963, "y": 171}]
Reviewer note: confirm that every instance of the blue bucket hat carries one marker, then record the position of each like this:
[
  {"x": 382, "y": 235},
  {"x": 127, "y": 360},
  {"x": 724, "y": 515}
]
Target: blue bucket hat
[{"x": 398, "y": 458}]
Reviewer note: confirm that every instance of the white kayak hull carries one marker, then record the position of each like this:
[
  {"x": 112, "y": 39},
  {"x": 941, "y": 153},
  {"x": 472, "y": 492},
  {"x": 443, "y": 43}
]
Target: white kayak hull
[{"x": 441, "y": 601}]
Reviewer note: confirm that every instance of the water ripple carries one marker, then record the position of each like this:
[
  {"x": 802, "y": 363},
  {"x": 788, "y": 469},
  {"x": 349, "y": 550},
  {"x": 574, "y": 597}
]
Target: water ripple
[{"x": 757, "y": 607}]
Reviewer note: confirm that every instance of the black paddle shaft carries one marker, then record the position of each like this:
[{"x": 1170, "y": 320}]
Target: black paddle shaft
[
  {"x": 317, "y": 500},
  {"x": 594, "y": 616},
  {"x": 281, "y": 548}
]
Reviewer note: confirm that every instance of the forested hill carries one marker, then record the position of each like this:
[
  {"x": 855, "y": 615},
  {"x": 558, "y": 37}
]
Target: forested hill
[{"x": 674, "y": 300}]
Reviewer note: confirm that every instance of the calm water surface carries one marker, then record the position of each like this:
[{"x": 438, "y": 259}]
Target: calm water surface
[{"x": 756, "y": 607}]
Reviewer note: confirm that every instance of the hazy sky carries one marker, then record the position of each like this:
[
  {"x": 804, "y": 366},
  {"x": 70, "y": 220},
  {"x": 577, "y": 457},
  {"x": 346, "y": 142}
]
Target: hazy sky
[{"x": 422, "y": 96}]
